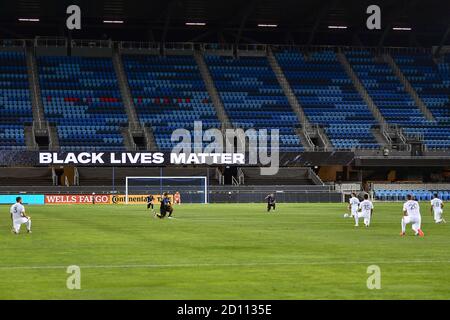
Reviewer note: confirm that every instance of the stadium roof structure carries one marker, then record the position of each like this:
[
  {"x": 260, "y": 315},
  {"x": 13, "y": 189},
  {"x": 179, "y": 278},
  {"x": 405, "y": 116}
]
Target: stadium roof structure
[{"x": 302, "y": 22}]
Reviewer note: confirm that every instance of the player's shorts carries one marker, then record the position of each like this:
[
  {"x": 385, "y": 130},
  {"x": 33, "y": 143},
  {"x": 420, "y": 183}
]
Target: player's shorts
[
  {"x": 365, "y": 215},
  {"x": 18, "y": 222},
  {"x": 437, "y": 215},
  {"x": 415, "y": 220}
]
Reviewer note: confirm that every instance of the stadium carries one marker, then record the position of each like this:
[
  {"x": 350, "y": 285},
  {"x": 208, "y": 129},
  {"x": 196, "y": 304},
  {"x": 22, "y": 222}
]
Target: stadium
[{"x": 225, "y": 150}]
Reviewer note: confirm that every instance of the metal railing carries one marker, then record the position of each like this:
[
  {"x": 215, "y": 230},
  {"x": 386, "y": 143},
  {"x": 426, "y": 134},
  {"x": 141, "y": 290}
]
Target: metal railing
[{"x": 91, "y": 43}]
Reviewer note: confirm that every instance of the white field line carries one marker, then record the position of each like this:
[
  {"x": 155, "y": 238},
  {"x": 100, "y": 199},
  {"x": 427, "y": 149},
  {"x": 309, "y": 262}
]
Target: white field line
[{"x": 207, "y": 265}]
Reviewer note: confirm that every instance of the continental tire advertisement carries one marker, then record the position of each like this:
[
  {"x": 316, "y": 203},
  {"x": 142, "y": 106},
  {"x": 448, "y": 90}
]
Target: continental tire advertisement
[{"x": 136, "y": 199}]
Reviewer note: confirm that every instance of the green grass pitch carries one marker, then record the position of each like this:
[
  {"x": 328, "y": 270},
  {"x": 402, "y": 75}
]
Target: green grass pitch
[{"x": 222, "y": 251}]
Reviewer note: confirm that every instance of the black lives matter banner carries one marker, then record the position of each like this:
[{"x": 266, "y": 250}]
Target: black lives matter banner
[{"x": 135, "y": 159}]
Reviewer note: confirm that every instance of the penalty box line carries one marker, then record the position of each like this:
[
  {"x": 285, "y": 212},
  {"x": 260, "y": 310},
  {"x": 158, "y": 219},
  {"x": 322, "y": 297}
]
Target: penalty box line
[{"x": 206, "y": 265}]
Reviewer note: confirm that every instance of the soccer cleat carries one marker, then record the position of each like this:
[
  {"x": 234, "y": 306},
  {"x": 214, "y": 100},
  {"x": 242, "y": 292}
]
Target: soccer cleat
[
  {"x": 402, "y": 234},
  {"x": 356, "y": 225},
  {"x": 420, "y": 233},
  {"x": 29, "y": 231}
]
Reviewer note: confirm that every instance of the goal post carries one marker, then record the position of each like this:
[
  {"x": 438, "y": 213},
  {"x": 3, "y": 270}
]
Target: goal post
[{"x": 192, "y": 189}]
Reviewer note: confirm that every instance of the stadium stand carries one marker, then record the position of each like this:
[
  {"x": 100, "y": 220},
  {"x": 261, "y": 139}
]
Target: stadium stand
[
  {"x": 396, "y": 105},
  {"x": 15, "y": 103},
  {"x": 81, "y": 96},
  {"x": 328, "y": 98},
  {"x": 432, "y": 83},
  {"x": 169, "y": 93},
  {"x": 253, "y": 98}
]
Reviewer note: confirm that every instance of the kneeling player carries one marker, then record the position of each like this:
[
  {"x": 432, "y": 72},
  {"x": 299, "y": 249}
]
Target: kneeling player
[
  {"x": 270, "y": 202},
  {"x": 18, "y": 216},
  {"x": 411, "y": 214},
  {"x": 366, "y": 208},
  {"x": 436, "y": 208},
  {"x": 165, "y": 208}
]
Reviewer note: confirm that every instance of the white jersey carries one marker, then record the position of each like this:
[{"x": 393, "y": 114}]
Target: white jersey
[
  {"x": 16, "y": 210},
  {"x": 354, "y": 202},
  {"x": 412, "y": 208},
  {"x": 436, "y": 203},
  {"x": 366, "y": 207}
]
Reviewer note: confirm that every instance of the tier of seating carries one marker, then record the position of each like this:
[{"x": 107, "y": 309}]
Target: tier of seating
[
  {"x": 431, "y": 81},
  {"x": 169, "y": 93},
  {"x": 252, "y": 97},
  {"x": 420, "y": 195},
  {"x": 81, "y": 95},
  {"x": 395, "y": 104},
  {"x": 329, "y": 98},
  {"x": 15, "y": 103}
]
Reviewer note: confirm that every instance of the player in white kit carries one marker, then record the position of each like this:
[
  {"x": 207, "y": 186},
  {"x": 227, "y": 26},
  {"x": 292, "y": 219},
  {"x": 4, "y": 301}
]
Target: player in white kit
[
  {"x": 437, "y": 207},
  {"x": 353, "y": 207},
  {"x": 411, "y": 214},
  {"x": 19, "y": 217},
  {"x": 366, "y": 208}
]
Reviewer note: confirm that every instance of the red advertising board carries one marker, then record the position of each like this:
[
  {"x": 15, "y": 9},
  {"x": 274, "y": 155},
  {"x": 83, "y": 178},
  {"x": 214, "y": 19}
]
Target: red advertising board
[{"x": 77, "y": 199}]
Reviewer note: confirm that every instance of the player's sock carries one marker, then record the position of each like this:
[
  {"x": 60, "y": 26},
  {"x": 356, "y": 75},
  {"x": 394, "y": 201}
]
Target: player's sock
[
  {"x": 403, "y": 226},
  {"x": 28, "y": 224},
  {"x": 356, "y": 219}
]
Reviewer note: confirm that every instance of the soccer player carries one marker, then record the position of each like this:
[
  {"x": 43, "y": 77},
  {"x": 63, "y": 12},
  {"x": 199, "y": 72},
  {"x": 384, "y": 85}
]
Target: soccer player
[
  {"x": 150, "y": 199},
  {"x": 353, "y": 206},
  {"x": 411, "y": 214},
  {"x": 166, "y": 207},
  {"x": 366, "y": 208},
  {"x": 437, "y": 207},
  {"x": 271, "y": 202},
  {"x": 19, "y": 217},
  {"x": 177, "y": 198}
]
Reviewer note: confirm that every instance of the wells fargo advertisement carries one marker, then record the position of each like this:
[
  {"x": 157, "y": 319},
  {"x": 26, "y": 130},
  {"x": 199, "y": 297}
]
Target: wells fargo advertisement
[{"x": 77, "y": 199}]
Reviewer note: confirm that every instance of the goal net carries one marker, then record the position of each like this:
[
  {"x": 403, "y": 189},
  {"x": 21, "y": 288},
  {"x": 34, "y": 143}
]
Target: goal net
[{"x": 191, "y": 189}]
